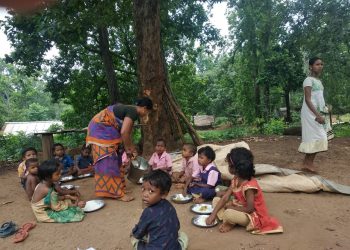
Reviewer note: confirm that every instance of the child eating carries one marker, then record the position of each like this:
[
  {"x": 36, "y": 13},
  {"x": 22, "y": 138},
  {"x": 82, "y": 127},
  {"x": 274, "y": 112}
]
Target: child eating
[
  {"x": 47, "y": 205},
  {"x": 158, "y": 227},
  {"x": 161, "y": 159},
  {"x": 66, "y": 160},
  {"x": 32, "y": 179},
  {"x": 85, "y": 162},
  {"x": 248, "y": 208},
  {"x": 190, "y": 168},
  {"x": 210, "y": 177}
]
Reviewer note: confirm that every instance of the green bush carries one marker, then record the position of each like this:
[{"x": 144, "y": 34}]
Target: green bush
[
  {"x": 11, "y": 146},
  {"x": 219, "y": 121},
  {"x": 274, "y": 127},
  {"x": 341, "y": 130}
]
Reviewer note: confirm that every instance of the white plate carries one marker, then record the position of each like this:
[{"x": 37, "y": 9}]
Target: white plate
[
  {"x": 67, "y": 178},
  {"x": 85, "y": 175},
  {"x": 199, "y": 221},
  {"x": 181, "y": 199},
  {"x": 202, "y": 208},
  {"x": 93, "y": 205},
  {"x": 68, "y": 186}
]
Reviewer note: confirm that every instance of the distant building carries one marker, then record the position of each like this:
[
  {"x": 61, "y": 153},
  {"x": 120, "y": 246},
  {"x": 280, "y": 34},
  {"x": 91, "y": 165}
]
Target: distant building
[{"x": 28, "y": 127}]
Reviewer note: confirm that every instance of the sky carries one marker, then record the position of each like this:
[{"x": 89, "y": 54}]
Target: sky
[{"x": 218, "y": 20}]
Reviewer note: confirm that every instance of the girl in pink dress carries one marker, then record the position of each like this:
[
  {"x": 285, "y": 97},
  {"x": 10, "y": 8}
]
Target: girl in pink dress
[{"x": 248, "y": 207}]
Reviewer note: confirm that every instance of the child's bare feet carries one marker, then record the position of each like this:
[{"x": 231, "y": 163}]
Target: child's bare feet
[
  {"x": 126, "y": 198},
  {"x": 81, "y": 204},
  {"x": 225, "y": 227}
]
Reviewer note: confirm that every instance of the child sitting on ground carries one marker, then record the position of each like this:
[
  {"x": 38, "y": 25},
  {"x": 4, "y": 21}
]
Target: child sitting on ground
[
  {"x": 159, "y": 225},
  {"x": 47, "y": 205},
  {"x": 161, "y": 159},
  {"x": 204, "y": 187},
  {"x": 32, "y": 179},
  {"x": 68, "y": 164},
  {"x": 248, "y": 208},
  {"x": 190, "y": 168},
  {"x": 27, "y": 153},
  {"x": 84, "y": 161}
]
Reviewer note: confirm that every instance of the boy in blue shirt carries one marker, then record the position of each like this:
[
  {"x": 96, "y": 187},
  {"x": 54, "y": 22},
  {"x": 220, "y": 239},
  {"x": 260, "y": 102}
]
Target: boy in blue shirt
[
  {"x": 65, "y": 160},
  {"x": 158, "y": 227}
]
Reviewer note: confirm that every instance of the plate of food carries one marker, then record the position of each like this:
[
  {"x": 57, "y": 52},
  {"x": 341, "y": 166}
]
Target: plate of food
[
  {"x": 181, "y": 199},
  {"x": 202, "y": 208},
  {"x": 199, "y": 221},
  {"x": 68, "y": 186},
  {"x": 85, "y": 175},
  {"x": 67, "y": 178},
  {"x": 93, "y": 205}
]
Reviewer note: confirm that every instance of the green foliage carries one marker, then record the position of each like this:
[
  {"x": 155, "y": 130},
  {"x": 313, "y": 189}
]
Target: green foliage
[
  {"x": 342, "y": 130},
  {"x": 221, "y": 121},
  {"x": 23, "y": 98},
  {"x": 227, "y": 134},
  {"x": 274, "y": 127},
  {"x": 71, "y": 140},
  {"x": 12, "y": 145}
]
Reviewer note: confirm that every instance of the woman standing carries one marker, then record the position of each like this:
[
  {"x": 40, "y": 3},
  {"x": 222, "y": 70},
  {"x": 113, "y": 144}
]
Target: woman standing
[
  {"x": 314, "y": 136},
  {"x": 106, "y": 131}
]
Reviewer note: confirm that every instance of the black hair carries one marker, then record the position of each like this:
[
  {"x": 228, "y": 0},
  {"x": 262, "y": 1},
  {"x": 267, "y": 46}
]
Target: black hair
[
  {"x": 47, "y": 169},
  {"x": 24, "y": 151},
  {"x": 241, "y": 163},
  {"x": 56, "y": 145},
  {"x": 145, "y": 102},
  {"x": 30, "y": 161},
  {"x": 191, "y": 147},
  {"x": 161, "y": 140},
  {"x": 313, "y": 60},
  {"x": 208, "y": 152},
  {"x": 86, "y": 147},
  {"x": 159, "y": 179}
]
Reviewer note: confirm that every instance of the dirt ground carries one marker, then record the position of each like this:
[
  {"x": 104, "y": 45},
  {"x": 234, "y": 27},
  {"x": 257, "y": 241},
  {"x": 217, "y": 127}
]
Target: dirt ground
[{"x": 311, "y": 221}]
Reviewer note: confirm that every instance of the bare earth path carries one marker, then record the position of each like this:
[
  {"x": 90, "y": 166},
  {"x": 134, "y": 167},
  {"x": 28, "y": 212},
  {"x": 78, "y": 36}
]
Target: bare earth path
[{"x": 311, "y": 221}]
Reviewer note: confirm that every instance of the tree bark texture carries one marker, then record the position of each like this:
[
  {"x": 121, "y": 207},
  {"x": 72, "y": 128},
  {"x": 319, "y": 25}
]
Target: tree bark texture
[
  {"x": 107, "y": 59},
  {"x": 167, "y": 119},
  {"x": 286, "y": 98}
]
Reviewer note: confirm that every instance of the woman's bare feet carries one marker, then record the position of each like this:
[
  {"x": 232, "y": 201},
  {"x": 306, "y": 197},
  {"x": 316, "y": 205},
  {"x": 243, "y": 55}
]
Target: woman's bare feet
[
  {"x": 126, "y": 198},
  {"x": 309, "y": 168},
  {"x": 225, "y": 227}
]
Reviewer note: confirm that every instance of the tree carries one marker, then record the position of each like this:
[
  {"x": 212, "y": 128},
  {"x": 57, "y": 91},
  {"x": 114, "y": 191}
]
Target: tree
[
  {"x": 24, "y": 98},
  {"x": 152, "y": 77}
]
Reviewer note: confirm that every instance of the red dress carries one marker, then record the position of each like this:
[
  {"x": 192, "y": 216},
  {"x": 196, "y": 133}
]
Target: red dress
[{"x": 259, "y": 219}]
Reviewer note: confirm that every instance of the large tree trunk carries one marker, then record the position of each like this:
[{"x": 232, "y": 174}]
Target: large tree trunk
[
  {"x": 267, "y": 100},
  {"x": 165, "y": 120},
  {"x": 286, "y": 99},
  {"x": 107, "y": 59}
]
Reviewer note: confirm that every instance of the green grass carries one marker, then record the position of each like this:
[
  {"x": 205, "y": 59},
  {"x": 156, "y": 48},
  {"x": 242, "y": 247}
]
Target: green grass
[{"x": 342, "y": 130}]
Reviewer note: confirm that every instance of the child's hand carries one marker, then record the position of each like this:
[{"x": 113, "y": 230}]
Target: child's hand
[
  {"x": 71, "y": 197},
  {"x": 74, "y": 192},
  {"x": 81, "y": 204},
  {"x": 210, "y": 220}
]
